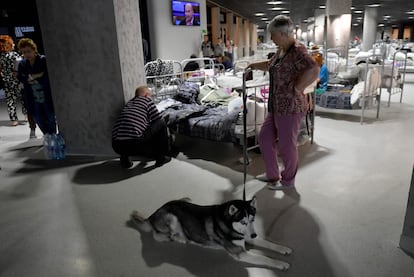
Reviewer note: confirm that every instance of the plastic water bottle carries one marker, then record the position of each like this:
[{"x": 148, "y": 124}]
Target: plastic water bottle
[
  {"x": 53, "y": 147},
  {"x": 46, "y": 146},
  {"x": 61, "y": 147}
]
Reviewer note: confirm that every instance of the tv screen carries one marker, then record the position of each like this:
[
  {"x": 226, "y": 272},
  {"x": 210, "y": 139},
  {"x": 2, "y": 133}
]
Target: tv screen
[{"x": 185, "y": 13}]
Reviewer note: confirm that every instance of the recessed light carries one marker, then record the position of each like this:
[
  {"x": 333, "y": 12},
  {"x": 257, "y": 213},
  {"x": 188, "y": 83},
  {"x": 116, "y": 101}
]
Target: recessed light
[
  {"x": 381, "y": 25},
  {"x": 285, "y": 12},
  {"x": 264, "y": 18},
  {"x": 374, "y": 5},
  {"x": 274, "y": 2},
  {"x": 352, "y": 8},
  {"x": 355, "y": 24},
  {"x": 322, "y": 7},
  {"x": 358, "y": 11},
  {"x": 259, "y": 14},
  {"x": 276, "y": 9},
  {"x": 410, "y": 12}
]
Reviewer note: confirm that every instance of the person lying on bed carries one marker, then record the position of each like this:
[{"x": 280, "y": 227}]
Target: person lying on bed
[{"x": 141, "y": 131}]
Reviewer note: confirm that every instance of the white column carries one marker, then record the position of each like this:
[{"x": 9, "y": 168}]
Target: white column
[
  {"x": 319, "y": 29},
  {"x": 369, "y": 33},
  {"x": 338, "y": 30}
]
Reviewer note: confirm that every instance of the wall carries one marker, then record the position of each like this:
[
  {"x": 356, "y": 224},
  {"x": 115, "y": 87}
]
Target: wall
[{"x": 173, "y": 42}]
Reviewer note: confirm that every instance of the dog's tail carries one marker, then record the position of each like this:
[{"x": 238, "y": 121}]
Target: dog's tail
[{"x": 139, "y": 222}]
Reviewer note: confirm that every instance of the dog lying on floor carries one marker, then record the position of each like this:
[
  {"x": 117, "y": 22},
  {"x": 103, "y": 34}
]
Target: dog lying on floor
[{"x": 229, "y": 226}]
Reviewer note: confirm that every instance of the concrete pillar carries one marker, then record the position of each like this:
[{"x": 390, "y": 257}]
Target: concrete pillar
[
  {"x": 407, "y": 237},
  {"x": 245, "y": 37},
  {"x": 95, "y": 61},
  {"x": 338, "y": 25},
  {"x": 229, "y": 26},
  {"x": 215, "y": 24},
  {"x": 369, "y": 32},
  {"x": 253, "y": 38},
  {"x": 319, "y": 30},
  {"x": 310, "y": 29}
]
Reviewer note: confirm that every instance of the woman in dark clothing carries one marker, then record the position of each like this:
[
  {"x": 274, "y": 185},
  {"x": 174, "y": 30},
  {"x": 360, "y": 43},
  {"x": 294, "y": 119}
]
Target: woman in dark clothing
[{"x": 32, "y": 72}]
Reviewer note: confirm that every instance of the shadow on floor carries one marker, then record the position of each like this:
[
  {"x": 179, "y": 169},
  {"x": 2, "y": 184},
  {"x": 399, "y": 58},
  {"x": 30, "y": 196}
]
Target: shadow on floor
[
  {"x": 199, "y": 261},
  {"x": 109, "y": 172},
  {"x": 310, "y": 153},
  {"x": 284, "y": 220}
]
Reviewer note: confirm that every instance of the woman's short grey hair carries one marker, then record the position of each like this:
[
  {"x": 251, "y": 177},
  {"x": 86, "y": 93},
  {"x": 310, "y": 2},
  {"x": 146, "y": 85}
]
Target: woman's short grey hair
[{"x": 281, "y": 23}]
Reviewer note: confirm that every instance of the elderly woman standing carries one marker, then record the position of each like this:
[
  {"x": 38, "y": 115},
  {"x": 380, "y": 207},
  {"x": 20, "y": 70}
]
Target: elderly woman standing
[
  {"x": 291, "y": 70},
  {"x": 32, "y": 72},
  {"x": 8, "y": 60}
]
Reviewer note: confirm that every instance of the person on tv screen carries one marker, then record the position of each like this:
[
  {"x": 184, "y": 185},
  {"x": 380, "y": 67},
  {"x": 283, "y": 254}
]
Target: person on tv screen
[{"x": 190, "y": 19}]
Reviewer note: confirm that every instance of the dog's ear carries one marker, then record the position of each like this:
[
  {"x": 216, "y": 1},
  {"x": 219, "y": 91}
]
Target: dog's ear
[
  {"x": 253, "y": 202},
  {"x": 232, "y": 210}
]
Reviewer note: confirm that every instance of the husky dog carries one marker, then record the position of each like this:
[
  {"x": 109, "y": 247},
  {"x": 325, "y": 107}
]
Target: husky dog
[{"x": 229, "y": 226}]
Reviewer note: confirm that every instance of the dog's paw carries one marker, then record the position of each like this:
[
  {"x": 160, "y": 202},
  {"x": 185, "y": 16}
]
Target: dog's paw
[
  {"x": 285, "y": 250},
  {"x": 284, "y": 266}
]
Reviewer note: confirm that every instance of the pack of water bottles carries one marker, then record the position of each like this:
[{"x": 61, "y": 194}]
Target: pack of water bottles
[{"x": 54, "y": 147}]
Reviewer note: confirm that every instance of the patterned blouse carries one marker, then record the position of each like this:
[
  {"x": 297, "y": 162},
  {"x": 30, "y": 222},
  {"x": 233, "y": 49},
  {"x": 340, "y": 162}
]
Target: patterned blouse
[
  {"x": 284, "y": 72},
  {"x": 7, "y": 65}
]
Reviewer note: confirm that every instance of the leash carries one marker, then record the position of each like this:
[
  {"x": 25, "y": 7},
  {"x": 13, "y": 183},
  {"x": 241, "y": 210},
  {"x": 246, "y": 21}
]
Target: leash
[{"x": 245, "y": 156}]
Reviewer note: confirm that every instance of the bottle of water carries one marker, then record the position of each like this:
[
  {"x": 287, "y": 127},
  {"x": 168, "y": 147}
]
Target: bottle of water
[
  {"x": 46, "y": 146},
  {"x": 53, "y": 147},
  {"x": 61, "y": 147}
]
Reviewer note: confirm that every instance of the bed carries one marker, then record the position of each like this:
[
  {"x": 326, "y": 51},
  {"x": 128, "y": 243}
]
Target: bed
[{"x": 211, "y": 106}]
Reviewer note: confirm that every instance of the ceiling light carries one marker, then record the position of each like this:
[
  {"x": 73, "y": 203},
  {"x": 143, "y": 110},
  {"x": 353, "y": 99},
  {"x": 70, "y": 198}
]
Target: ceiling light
[
  {"x": 285, "y": 12},
  {"x": 410, "y": 12},
  {"x": 381, "y": 25},
  {"x": 387, "y": 16},
  {"x": 358, "y": 11},
  {"x": 264, "y": 18},
  {"x": 259, "y": 14},
  {"x": 352, "y": 8},
  {"x": 305, "y": 20},
  {"x": 322, "y": 7},
  {"x": 411, "y": 17},
  {"x": 276, "y": 9},
  {"x": 355, "y": 24},
  {"x": 374, "y": 5},
  {"x": 275, "y": 2}
]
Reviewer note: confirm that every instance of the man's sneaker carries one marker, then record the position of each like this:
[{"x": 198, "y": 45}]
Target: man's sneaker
[
  {"x": 278, "y": 186},
  {"x": 126, "y": 162},
  {"x": 32, "y": 134},
  {"x": 163, "y": 160},
  {"x": 264, "y": 178}
]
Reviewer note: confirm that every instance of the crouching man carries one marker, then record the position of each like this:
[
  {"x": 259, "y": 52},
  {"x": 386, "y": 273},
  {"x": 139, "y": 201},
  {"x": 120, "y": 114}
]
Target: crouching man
[{"x": 141, "y": 131}]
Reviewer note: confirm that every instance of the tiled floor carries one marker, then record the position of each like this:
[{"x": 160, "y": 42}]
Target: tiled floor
[{"x": 67, "y": 218}]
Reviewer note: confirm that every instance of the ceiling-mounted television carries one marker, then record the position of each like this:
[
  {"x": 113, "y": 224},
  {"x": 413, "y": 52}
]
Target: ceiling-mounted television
[{"x": 185, "y": 13}]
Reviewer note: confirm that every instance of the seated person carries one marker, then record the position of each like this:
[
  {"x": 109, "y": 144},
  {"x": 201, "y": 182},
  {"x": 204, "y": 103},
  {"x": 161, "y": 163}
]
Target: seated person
[
  {"x": 192, "y": 65},
  {"x": 322, "y": 81},
  {"x": 141, "y": 131},
  {"x": 225, "y": 61}
]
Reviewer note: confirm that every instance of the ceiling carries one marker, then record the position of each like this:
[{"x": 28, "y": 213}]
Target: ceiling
[{"x": 391, "y": 12}]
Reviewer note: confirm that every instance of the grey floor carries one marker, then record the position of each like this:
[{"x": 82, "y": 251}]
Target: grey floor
[{"x": 67, "y": 218}]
